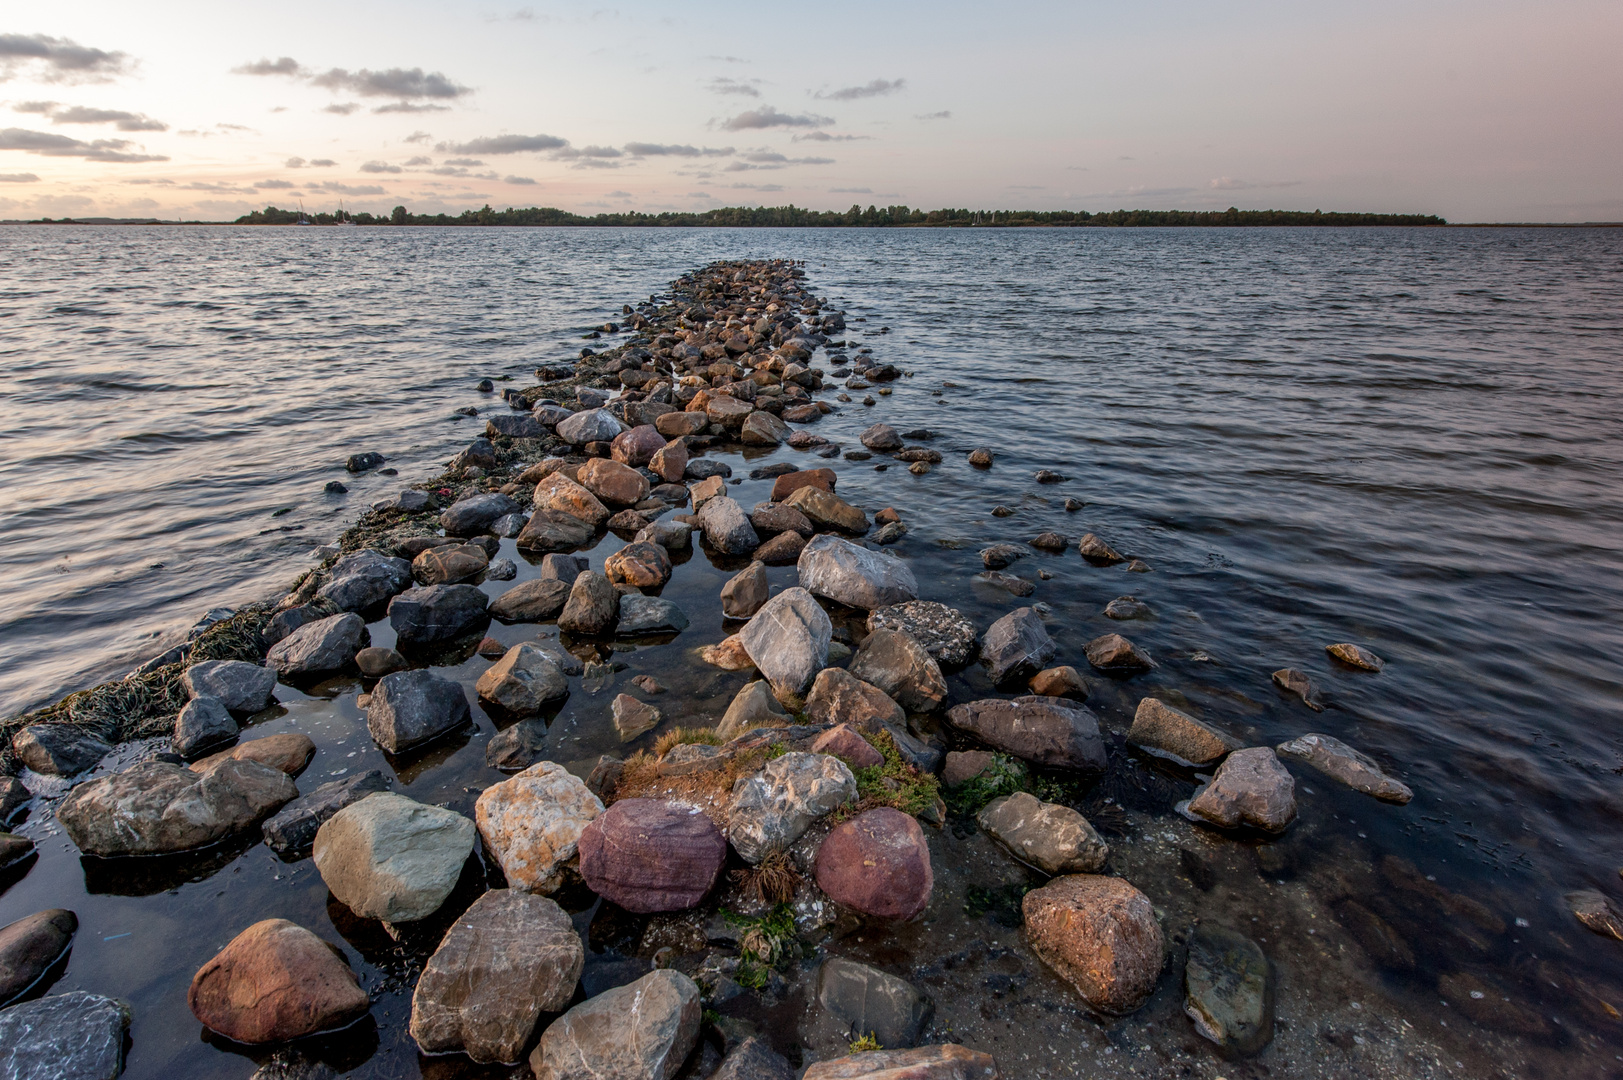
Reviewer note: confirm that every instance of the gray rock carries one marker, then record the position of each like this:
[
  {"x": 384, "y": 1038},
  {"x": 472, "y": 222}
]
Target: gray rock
[
  {"x": 58, "y": 749},
  {"x": 926, "y": 757},
  {"x": 72, "y": 1036},
  {"x": 590, "y": 425},
  {"x": 593, "y": 606},
  {"x": 1127, "y": 607},
  {"x": 641, "y": 1031},
  {"x": 670, "y": 535},
  {"x": 567, "y": 662},
  {"x": 524, "y": 681},
  {"x": 413, "y": 707},
  {"x": 745, "y": 592},
  {"x": 1046, "y": 731},
  {"x": 633, "y": 718},
  {"x": 204, "y": 725},
  {"x": 999, "y": 556},
  {"x": 1017, "y": 644},
  {"x": 518, "y": 747},
  {"x": 1053, "y": 838},
  {"x": 946, "y": 633},
  {"x": 754, "y": 1059},
  {"x": 890, "y": 533},
  {"x": 155, "y": 807},
  {"x": 881, "y": 437},
  {"x": 772, "y": 809},
  {"x": 501, "y": 570},
  {"x": 854, "y": 1000},
  {"x": 319, "y": 648},
  {"x": 405, "y": 502},
  {"x": 241, "y": 687},
  {"x": 564, "y": 568},
  {"x": 536, "y": 600},
  {"x": 902, "y": 668},
  {"x": 704, "y": 469},
  {"x": 477, "y": 513},
  {"x": 649, "y": 615},
  {"x": 283, "y": 623},
  {"x": 1227, "y": 990},
  {"x": 1250, "y": 788},
  {"x": 365, "y": 579},
  {"x": 436, "y": 613},
  {"x": 788, "y": 639},
  {"x": 392, "y": 858},
  {"x": 839, "y": 697},
  {"x": 727, "y": 528},
  {"x": 554, "y": 530},
  {"x": 752, "y": 707},
  {"x": 854, "y": 576},
  {"x": 13, "y": 797},
  {"x": 514, "y": 426},
  {"x": 292, "y": 830},
  {"x": 1345, "y": 765},
  {"x": 550, "y": 415}
]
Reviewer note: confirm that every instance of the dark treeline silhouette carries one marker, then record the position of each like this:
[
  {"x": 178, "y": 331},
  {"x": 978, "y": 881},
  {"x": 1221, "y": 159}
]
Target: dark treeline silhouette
[{"x": 872, "y": 217}]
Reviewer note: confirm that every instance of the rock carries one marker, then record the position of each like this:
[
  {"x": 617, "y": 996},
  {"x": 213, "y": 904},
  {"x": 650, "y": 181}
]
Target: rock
[
  {"x": 554, "y": 530},
  {"x": 846, "y": 743},
  {"x": 1168, "y": 733},
  {"x": 1112, "y": 652},
  {"x": 155, "y": 808},
  {"x": 782, "y": 550},
  {"x": 292, "y": 830},
  {"x": 1100, "y": 935},
  {"x": 1342, "y": 763},
  {"x": 203, "y": 725},
  {"x": 613, "y": 482},
  {"x": 363, "y": 462},
  {"x": 881, "y": 437},
  {"x": 1297, "y": 682},
  {"x": 641, "y": 1031},
  {"x": 641, "y": 564},
  {"x": 1355, "y": 656},
  {"x": 788, "y": 640},
  {"x": 242, "y": 688},
  {"x": 752, "y": 707},
  {"x": 902, "y": 669},
  {"x": 393, "y": 858},
  {"x": 558, "y": 492},
  {"x": 58, "y": 749},
  {"x": 877, "y": 863},
  {"x": 763, "y": 429},
  {"x": 1137, "y": 566},
  {"x": 1048, "y": 476},
  {"x": 670, "y": 535},
  {"x": 637, "y": 446},
  {"x": 517, "y": 747},
  {"x": 772, "y": 809},
  {"x": 827, "y": 510},
  {"x": 1489, "y": 1005},
  {"x": 532, "y": 823},
  {"x": 280, "y": 626},
  {"x": 1250, "y": 788},
  {"x": 1046, "y": 731},
  {"x": 514, "y": 426},
  {"x": 14, "y": 850},
  {"x": 770, "y": 518},
  {"x": 1012, "y": 584},
  {"x": 523, "y": 682},
  {"x": 591, "y": 425},
  {"x": 536, "y": 600},
  {"x": 476, "y": 514},
  {"x": 652, "y": 855},
  {"x": 1050, "y": 541},
  {"x": 507, "y": 960},
  {"x": 745, "y": 592},
  {"x": 643, "y": 615},
  {"x": 31, "y": 947},
  {"x": 839, "y": 697},
  {"x": 854, "y": 1000},
  {"x": 729, "y": 412},
  {"x": 409, "y": 708},
  {"x": 1589, "y": 906},
  {"x": 318, "y": 648},
  {"x": 436, "y": 613},
  {"x": 72, "y": 1036},
  {"x": 854, "y": 576},
  {"x": 964, "y": 765},
  {"x": 890, "y": 534},
  {"x": 1063, "y": 681},
  {"x": 1015, "y": 644},
  {"x": 1376, "y": 936},
  {"x": 728, "y": 654},
  {"x": 670, "y": 462},
  {"x": 13, "y": 797},
  {"x": 509, "y": 525},
  {"x": 274, "y": 982},
  {"x": 789, "y": 483},
  {"x": 947, "y": 1061},
  {"x": 703, "y": 469},
  {"x": 998, "y": 556},
  {"x": 676, "y": 425},
  {"x": 1053, "y": 838},
  {"x": 288, "y": 752},
  {"x": 1127, "y": 607},
  {"x": 754, "y": 1059},
  {"x": 592, "y": 608},
  {"x": 945, "y": 633},
  {"x": 365, "y": 579},
  {"x": 448, "y": 564},
  {"x": 633, "y": 718},
  {"x": 1227, "y": 991},
  {"x": 705, "y": 490},
  {"x": 1096, "y": 550},
  {"x": 726, "y": 527}
]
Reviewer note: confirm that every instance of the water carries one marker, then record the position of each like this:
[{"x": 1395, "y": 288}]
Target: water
[{"x": 1406, "y": 439}]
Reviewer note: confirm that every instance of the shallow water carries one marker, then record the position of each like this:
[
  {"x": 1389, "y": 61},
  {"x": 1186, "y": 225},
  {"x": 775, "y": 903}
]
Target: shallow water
[{"x": 1404, "y": 439}]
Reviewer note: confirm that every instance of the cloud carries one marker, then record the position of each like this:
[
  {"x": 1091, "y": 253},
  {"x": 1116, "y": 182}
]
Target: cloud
[
  {"x": 700, "y": 195},
  {"x": 81, "y": 114},
  {"x": 419, "y": 160},
  {"x": 766, "y": 159},
  {"x": 273, "y": 184},
  {"x": 851, "y": 190},
  {"x": 1228, "y": 183},
  {"x": 769, "y": 117},
  {"x": 570, "y": 153},
  {"x": 46, "y": 144},
  {"x": 43, "y": 108},
  {"x": 63, "y": 60},
  {"x": 343, "y": 109},
  {"x": 728, "y": 59},
  {"x": 876, "y": 88},
  {"x": 18, "y": 178},
  {"x": 618, "y": 195},
  {"x": 417, "y": 136},
  {"x": 380, "y": 167},
  {"x": 944, "y": 114},
  {"x": 745, "y": 87},
  {"x": 504, "y": 144},
  {"x": 471, "y": 162},
  {"x": 643, "y": 149},
  {"x": 284, "y": 65},
  {"x": 299, "y": 163},
  {"x": 408, "y": 107},
  {"x": 351, "y": 189},
  {"x": 823, "y": 136},
  {"x": 403, "y": 83},
  {"x": 758, "y": 187},
  {"x": 517, "y": 180},
  {"x": 595, "y": 163},
  {"x": 322, "y": 163}
]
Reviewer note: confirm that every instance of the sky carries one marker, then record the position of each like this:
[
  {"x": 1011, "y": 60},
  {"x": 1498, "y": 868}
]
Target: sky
[{"x": 1492, "y": 110}]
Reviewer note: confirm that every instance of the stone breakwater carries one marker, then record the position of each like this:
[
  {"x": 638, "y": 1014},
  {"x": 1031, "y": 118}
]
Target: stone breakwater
[{"x": 805, "y": 812}]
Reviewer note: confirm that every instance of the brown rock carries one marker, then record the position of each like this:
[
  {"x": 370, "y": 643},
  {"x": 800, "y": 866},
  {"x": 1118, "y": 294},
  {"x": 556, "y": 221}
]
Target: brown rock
[
  {"x": 728, "y": 654},
  {"x": 902, "y": 669},
  {"x": 376, "y": 662},
  {"x": 1053, "y": 838},
  {"x": 670, "y": 462},
  {"x": 964, "y": 765},
  {"x": 728, "y": 411},
  {"x": 839, "y": 697},
  {"x": 628, "y": 521},
  {"x": 448, "y": 564},
  {"x": 642, "y": 564},
  {"x": 1063, "y": 681},
  {"x": 782, "y": 550},
  {"x": 637, "y": 446},
  {"x": 535, "y": 600},
  {"x": 276, "y": 981},
  {"x": 613, "y": 482},
  {"x": 558, "y": 492},
  {"x": 1163, "y": 730},
  {"x": 678, "y": 424},
  {"x": 633, "y": 718},
  {"x": 1100, "y": 935},
  {"x": 30, "y": 947},
  {"x": 789, "y": 483},
  {"x": 289, "y": 752},
  {"x": 711, "y": 487},
  {"x": 593, "y": 606},
  {"x": 827, "y": 510},
  {"x": 1595, "y": 911},
  {"x": 947, "y": 1061},
  {"x": 887, "y": 516},
  {"x": 1112, "y": 652},
  {"x": 652, "y": 855},
  {"x": 1297, "y": 682},
  {"x": 554, "y": 530},
  {"x": 845, "y": 743},
  {"x": 745, "y": 592},
  {"x": 761, "y": 428},
  {"x": 1250, "y": 788},
  {"x": 1043, "y": 730},
  {"x": 1355, "y": 656},
  {"x": 878, "y": 864},
  {"x": 770, "y": 518},
  {"x": 1096, "y": 550},
  {"x": 1050, "y": 541}
]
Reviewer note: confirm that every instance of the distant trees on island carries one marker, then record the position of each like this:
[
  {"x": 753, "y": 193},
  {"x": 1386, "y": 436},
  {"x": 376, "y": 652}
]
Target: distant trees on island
[{"x": 856, "y": 217}]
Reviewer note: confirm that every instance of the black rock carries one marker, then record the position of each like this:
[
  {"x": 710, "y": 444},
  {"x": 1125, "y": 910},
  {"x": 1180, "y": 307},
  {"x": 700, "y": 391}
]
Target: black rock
[
  {"x": 292, "y": 830},
  {"x": 485, "y": 386},
  {"x": 335, "y": 488},
  {"x": 476, "y": 514},
  {"x": 413, "y": 707},
  {"x": 58, "y": 749},
  {"x": 424, "y": 616},
  {"x": 704, "y": 469},
  {"x": 363, "y": 462},
  {"x": 76, "y": 1034}
]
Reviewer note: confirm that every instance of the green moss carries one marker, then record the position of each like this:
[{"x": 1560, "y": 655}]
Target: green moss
[
  {"x": 895, "y": 783},
  {"x": 865, "y": 1044},
  {"x": 1004, "y": 776},
  {"x": 766, "y": 942}
]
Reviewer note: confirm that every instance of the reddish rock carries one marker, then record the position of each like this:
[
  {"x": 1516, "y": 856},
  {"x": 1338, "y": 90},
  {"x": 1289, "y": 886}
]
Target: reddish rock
[
  {"x": 878, "y": 864},
  {"x": 711, "y": 487},
  {"x": 782, "y": 550},
  {"x": 30, "y": 947},
  {"x": 728, "y": 654},
  {"x": 652, "y": 855},
  {"x": 845, "y": 743},
  {"x": 448, "y": 564},
  {"x": 637, "y": 446},
  {"x": 945, "y": 1061},
  {"x": 670, "y": 462},
  {"x": 276, "y": 981},
  {"x": 491, "y": 649},
  {"x": 886, "y": 516},
  {"x": 290, "y": 752},
  {"x": 613, "y": 482},
  {"x": 1100, "y": 935},
  {"x": 1112, "y": 652},
  {"x": 964, "y": 765},
  {"x": 839, "y": 697},
  {"x": 557, "y": 491},
  {"x": 642, "y": 564},
  {"x": 770, "y": 518},
  {"x": 789, "y": 483},
  {"x": 677, "y": 424}
]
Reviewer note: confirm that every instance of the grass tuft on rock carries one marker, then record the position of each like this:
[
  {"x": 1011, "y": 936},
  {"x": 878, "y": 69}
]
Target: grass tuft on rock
[
  {"x": 894, "y": 783},
  {"x": 1004, "y": 776},
  {"x": 679, "y": 736}
]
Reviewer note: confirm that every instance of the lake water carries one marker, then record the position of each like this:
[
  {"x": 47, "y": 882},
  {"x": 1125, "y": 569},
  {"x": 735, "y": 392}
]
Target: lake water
[{"x": 1405, "y": 439}]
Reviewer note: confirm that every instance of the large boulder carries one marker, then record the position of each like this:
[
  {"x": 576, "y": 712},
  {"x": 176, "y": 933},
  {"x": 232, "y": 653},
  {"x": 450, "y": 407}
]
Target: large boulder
[
  {"x": 203, "y": 725},
  {"x": 276, "y": 981},
  {"x": 752, "y": 707},
  {"x": 946, "y": 633},
  {"x": 393, "y": 858},
  {"x": 1100, "y": 935},
  {"x": 291, "y": 831},
  {"x": 30, "y": 947},
  {"x": 854, "y": 1000},
  {"x": 854, "y": 576},
  {"x": 839, "y": 697},
  {"x": 507, "y": 960},
  {"x": 877, "y": 863},
  {"x": 670, "y": 462},
  {"x": 593, "y": 606},
  {"x": 554, "y": 530},
  {"x": 532, "y": 823},
  {"x": 1169, "y": 733},
  {"x": 745, "y": 592},
  {"x": 652, "y": 855},
  {"x": 827, "y": 510},
  {"x": 155, "y": 808},
  {"x": 640, "y": 563},
  {"x": 1053, "y": 838},
  {"x": 789, "y": 483},
  {"x": 477, "y": 513},
  {"x": 321, "y": 647},
  {"x": 72, "y": 1036},
  {"x": 1228, "y": 991},
  {"x": 536, "y": 600},
  {"x": 788, "y": 639},
  {"x": 558, "y": 492},
  {"x": 772, "y": 809},
  {"x": 523, "y": 682},
  {"x": 902, "y": 668},
  {"x": 449, "y": 563},
  {"x": 1045, "y": 731},
  {"x": 1017, "y": 644},
  {"x": 946, "y": 1061},
  {"x": 641, "y": 1031},
  {"x": 761, "y": 428},
  {"x": 1250, "y": 788},
  {"x": 727, "y": 528},
  {"x": 612, "y": 482},
  {"x": 362, "y": 580},
  {"x": 58, "y": 749},
  {"x": 1345, "y": 765},
  {"x": 640, "y": 615},
  {"x": 427, "y": 616},
  {"x": 591, "y": 425},
  {"x": 409, "y": 708},
  {"x": 241, "y": 687},
  {"x": 637, "y": 446}
]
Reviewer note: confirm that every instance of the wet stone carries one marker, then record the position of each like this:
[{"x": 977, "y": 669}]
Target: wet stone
[
  {"x": 1355, "y": 656},
  {"x": 72, "y": 1036},
  {"x": 854, "y": 1000},
  {"x": 31, "y": 947},
  {"x": 651, "y": 855},
  {"x": 642, "y": 1030},
  {"x": 531, "y": 823},
  {"x": 752, "y": 707},
  {"x": 292, "y": 829},
  {"x": 274, "y": 982},
  {"x": 1062, "y": 681},
  {"x": 523, "y": 682},
  {"x": 1127, "y": 607},
  {"x": 772, "y": 809},
  {"x": 1053, "y": 838},
  {"x": 392, "y": 858},
  {"x": 1042, "y": 730},
  {"x": 788, "y": 640},
  {"x": 1342, "y": 763},
  {"x": 782, "y": 550},
  {"x": 204, "y": 724},
  {"x": 1114, "y": 653},
  {"x": 999, "y": 556},
  {"x": 1250, "y": 788},
  {"x": 427, "y": 616},
  {"x": 157, "y": 808},
  {"x": 944, "y": 632},
  {"x": 1595, "y": 911},
  {"x": 58, "y": 749},
  {"x": 1012, "y": 584},
  {"x": 745, "y": 592},
  {"x": 593, "y": 606},
  {"x": 902, "y": 669},
  {"x": 1297, "y": 682},
  {"x": 518, "y": 747},
  {"x": 878, "y": 864},
  {"x": 1169, "y": 733},
  {"x": 1100, "y": 935},
  {"x": 1228, "y": 991},
  {"x": 375, "y": 661},
  {"x": 640, "y": 615},
  {"x": 947, "y": 1061},
  {"x": 1096, "y": 550},
  {"x": 633, "y": 718},
  {"x": 840, "y": 697},
  {"x": 241, "y": 687},
  {"x": 1016, "y": 644},
  {"x": 409, "y": 708}
]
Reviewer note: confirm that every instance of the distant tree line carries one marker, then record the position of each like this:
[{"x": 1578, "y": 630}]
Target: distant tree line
[{"x": 872, "y": 217}]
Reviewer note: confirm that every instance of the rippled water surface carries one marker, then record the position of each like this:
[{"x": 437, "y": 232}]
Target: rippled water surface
[{"x": 1405, "y": 439}]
